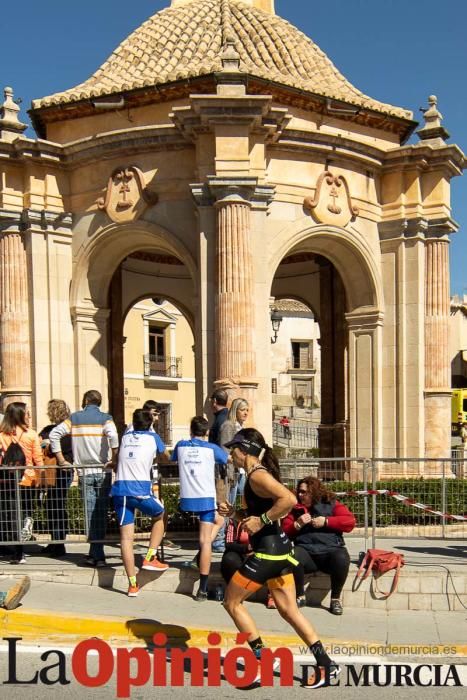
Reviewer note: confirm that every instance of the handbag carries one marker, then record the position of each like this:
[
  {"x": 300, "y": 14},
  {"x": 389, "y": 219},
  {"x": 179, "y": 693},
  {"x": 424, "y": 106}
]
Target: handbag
[
  {"x": 380, "y": 561},
  {"x": 235, "y": 533}
]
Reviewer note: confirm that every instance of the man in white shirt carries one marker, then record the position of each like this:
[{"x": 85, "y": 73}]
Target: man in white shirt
[
  {"x": 196, "y": 463},
  {"x": 133, "y": 490}
]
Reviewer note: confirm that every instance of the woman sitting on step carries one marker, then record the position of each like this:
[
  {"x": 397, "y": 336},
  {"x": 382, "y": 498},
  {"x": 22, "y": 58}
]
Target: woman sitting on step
[{"x": 315, "y": 525}]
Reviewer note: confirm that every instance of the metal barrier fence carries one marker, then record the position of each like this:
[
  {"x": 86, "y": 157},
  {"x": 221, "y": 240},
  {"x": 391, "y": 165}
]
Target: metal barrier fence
[
  {"x": 296, "y": 435},
  {"x": 58, "y": 510}
]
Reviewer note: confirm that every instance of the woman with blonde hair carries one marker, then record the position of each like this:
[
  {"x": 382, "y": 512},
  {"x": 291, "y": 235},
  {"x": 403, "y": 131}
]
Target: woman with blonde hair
[
  {"x": 236, "y": 419},
  {"x": 15, "y": 431},
  {"x": 58, "y": 485}
]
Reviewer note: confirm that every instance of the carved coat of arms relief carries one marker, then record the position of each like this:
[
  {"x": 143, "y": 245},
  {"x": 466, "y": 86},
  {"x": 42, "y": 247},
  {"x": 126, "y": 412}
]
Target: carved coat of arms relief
[
  {"x": 127, "y": 195},
  {"x": 332, "y": 203}
]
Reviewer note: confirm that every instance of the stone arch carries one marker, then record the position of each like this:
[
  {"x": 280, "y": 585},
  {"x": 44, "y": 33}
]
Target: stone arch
[
  {"x": 358, "y": 346},
  {"x": 346, "y": 250},
  {"x": 93, "y": 273},
  {"x": 186, "y": 311},
  {"x": 113, "y": 243}
]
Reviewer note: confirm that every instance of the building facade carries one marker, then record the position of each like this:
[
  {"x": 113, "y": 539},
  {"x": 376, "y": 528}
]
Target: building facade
[
  {"x": 159, "y": 364},
  {"x": 296, "y": 361},
  {"x": 218, "y": 159}
]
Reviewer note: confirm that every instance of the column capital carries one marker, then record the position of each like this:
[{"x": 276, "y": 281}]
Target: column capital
[
  {"x": 417, "y": 228},
  {"x": 34, "y": 219},
  {"x": 219, "y": 191},
  {"x": 362, "y": 320},
  {"x": 82, "y": 314}
]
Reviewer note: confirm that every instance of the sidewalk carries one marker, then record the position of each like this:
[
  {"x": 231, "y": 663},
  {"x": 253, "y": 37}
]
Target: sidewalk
[
  {"x": 67, "y": 612},
  {"x": 434, "y": 578}
]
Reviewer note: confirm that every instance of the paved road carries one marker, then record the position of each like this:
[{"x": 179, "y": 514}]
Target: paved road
[{"x": 29, "y": 661}]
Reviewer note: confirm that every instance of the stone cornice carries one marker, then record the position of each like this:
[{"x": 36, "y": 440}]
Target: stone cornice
[
  {"x": 31, "y": 219},
  {"x": 331, "y": 146},
  {"x": 218, "y": 191},
  {"x": 254, "y": 112},
  {"x": 73, "y": 154},
  {"x": 417, "y": 227},
  {"x": 364, "y": 319},
  {"x": 424, "y": 158}
]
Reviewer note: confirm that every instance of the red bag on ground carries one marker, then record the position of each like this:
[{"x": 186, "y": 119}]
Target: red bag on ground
[{"x": 380, "y": 561}]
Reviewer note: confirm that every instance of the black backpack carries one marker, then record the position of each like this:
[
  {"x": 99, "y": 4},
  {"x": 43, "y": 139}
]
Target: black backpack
[{"x": 14, "y": 456}]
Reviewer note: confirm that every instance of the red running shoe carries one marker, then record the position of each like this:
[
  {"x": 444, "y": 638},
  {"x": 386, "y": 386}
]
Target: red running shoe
[
  {"x": 321, "y": 676},
  {"x": 133, "y": 591},
  {"x": 154, "y": 565}
]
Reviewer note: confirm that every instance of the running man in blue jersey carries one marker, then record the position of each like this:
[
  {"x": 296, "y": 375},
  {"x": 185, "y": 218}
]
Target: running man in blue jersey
[
  {"x": 196, "y": 463},
  {"x": 132, "y": 491}
]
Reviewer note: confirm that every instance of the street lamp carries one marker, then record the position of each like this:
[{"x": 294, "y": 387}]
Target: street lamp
[{"x": 276, "y": 320}]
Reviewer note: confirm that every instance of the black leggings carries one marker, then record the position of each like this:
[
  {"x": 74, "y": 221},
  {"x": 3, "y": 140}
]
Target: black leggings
[
  {"x": 336, "y": 563},
  {"x": 231, "y": 562}
]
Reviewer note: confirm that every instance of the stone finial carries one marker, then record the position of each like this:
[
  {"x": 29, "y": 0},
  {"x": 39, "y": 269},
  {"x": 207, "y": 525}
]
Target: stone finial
[
  {"x": 432, "y": 131},
  {"x": 230, "y": 57},
  {"x": 10, "y": 125}
]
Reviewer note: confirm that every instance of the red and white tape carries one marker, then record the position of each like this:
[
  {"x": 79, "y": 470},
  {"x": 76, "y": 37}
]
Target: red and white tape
[{"x": 403, "y": 499}]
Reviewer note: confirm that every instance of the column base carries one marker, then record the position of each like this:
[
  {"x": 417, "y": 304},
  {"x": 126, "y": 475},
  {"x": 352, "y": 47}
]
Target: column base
[
  {"x": 333, "y": 440},
  {"x": 437, "y": 431},
  {"x": 12, "y": 395}
]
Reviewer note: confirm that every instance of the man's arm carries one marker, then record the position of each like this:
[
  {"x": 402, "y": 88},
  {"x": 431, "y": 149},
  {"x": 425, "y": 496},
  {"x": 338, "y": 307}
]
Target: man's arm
[{"x": 55, "y": 436}]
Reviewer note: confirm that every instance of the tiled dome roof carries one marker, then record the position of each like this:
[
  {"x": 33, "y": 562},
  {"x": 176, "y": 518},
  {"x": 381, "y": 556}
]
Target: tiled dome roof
[{"x": 187, "y": 40}]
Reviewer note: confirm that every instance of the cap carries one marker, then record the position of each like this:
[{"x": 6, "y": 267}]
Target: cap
[{"x": 251, "y": 447}]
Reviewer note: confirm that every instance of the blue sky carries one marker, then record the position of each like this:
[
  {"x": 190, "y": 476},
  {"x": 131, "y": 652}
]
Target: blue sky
[{"x": 398, "y": 51}]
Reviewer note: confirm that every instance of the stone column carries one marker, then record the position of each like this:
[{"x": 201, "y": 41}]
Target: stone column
[
  {"x": 116, "y": 383},
  {"x": 333, "y": 430},
  {"x": 437, "y": 363},
  {"x": 365, "y": 385},
  {"x": 235, "y": 327},
  {"x": 14, "y": 320}
]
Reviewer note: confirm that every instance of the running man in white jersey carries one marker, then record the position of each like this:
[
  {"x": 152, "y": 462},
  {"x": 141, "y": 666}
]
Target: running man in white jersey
[
  {"x": 133, "y": 490},
  {"x": 196, "y": 464}
]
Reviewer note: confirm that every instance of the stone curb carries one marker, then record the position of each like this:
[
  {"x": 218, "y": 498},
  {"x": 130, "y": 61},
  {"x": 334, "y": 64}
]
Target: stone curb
[
  {"x": 67, "y": 629},
  {"x": 423, "y": 588}
]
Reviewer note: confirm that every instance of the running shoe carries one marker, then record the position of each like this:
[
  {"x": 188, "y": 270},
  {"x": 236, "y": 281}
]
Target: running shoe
[
  {"x": 270, "y": 604},
  {"x": 275, "y": 664},
  {"x": 26, "y": 532},
  {"x": 15, "y": 594},
  {"x": 193, "y": 564},
  {"x": 154, "y": 565},
  {"x": 18, "y": 559},
  {"x": 200, "y": 596},
  {"x": 301, "y": 601},
  {"x": 168, "y": 544},
  {"x": 321, "y": 675},
  {"x": 336, "y": 607},
  {"x": 133, "y": 591}
]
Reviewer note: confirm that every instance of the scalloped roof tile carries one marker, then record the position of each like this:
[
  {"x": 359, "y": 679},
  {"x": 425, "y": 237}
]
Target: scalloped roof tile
[{"x": 186, "y": 41}]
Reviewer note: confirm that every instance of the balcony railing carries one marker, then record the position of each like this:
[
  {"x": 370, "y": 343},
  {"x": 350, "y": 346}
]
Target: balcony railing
[
  {"x": 296, "y": 363},
  {"x": 160, "y": 366}
]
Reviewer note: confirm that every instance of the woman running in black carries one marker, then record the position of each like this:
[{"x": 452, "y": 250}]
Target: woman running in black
[{"x": 271, "y": 563}]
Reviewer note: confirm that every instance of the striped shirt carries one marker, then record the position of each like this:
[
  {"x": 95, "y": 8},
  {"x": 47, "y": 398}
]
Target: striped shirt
[{"x": 92, "y": 432}]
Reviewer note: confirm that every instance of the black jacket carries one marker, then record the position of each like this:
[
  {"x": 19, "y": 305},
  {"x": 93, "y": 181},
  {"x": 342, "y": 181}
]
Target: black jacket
[{"x": 219, "y": 418}]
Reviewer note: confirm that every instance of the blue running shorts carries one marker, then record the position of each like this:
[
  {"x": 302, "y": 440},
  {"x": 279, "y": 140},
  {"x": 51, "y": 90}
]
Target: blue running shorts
[{"x": 125, "y": 507}]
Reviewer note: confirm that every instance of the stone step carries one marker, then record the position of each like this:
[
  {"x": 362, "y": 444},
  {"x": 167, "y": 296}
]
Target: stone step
[{"x": 419, "y": 588}]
